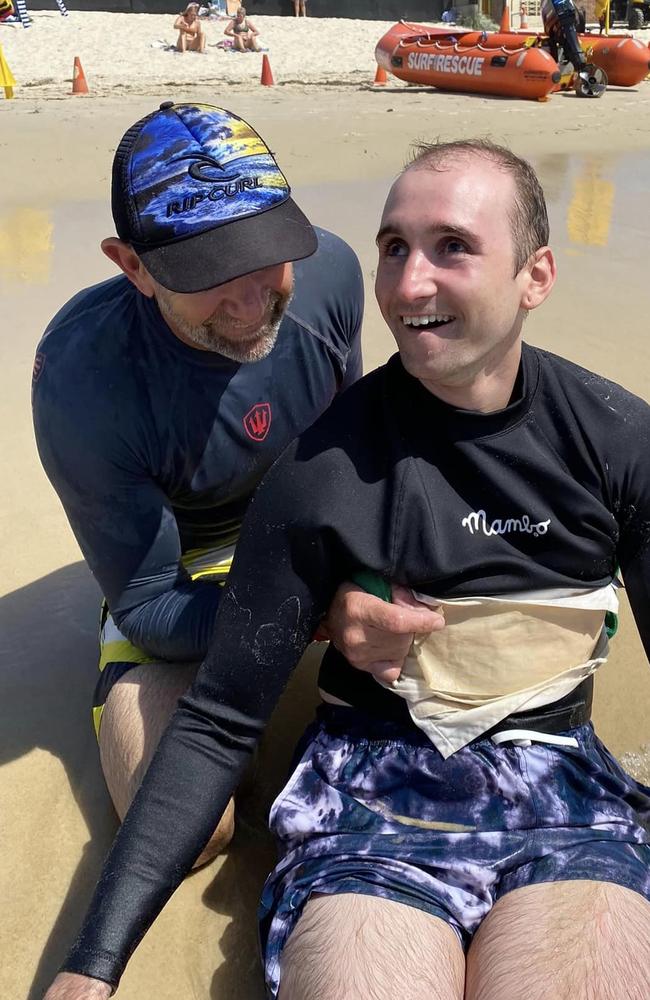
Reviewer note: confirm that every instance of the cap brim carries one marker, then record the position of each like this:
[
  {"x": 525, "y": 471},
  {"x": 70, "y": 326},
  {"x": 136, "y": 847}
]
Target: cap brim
[{"x": 230, "y": 251}]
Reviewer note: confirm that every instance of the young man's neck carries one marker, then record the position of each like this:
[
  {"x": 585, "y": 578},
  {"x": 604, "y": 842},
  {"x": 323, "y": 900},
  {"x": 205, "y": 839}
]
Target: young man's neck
[{"x": 488, "y": 391}]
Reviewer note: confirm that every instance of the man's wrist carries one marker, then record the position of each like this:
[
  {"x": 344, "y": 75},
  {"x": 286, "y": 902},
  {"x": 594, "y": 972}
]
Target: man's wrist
[{"x": 73, "y": 986}]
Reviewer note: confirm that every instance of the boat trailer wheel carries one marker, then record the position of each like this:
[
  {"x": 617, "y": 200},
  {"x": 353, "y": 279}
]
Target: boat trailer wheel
[{"x": 591, "y": 81}]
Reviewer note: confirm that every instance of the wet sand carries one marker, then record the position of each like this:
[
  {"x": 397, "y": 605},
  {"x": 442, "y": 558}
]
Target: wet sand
[{"x": 340, "y": 146}]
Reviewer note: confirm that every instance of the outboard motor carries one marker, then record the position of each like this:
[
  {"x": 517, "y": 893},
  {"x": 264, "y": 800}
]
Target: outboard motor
[{"x": 560, "y": 19}]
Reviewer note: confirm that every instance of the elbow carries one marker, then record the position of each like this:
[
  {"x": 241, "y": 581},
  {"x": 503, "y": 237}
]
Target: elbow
[{"x": 128, "y": 626}]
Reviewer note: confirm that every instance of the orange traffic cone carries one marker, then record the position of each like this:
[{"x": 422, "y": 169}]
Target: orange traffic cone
[
  {"x": 505, "y": 19},
  {"x": 381, "y": 79},
  {"x": 267, "y": 76},
  {"x": 523, "y": 16},
  {"x": 79, "y": 83}
]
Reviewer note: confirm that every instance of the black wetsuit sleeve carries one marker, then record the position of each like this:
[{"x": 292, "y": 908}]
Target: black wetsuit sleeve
[
  {"x": 633, "y": 553},
  {"x": 264, "y": 623},
  {"x": 636, "y": 575},
  {"x": 126, "y": 529},
  {"x": 625, "y": 445}
]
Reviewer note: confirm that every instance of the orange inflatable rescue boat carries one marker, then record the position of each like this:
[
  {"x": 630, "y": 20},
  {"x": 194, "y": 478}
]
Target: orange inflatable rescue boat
[
  {"x": 512, "y": 63},
  {"x": 625, "y": 59},
  {"x": 445, "y": 60}
]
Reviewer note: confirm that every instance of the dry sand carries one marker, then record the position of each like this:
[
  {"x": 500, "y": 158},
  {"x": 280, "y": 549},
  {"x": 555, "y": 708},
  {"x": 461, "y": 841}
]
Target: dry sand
[
  {"x": 128, "y": 53},
  {"x": 340, "y": 142}
]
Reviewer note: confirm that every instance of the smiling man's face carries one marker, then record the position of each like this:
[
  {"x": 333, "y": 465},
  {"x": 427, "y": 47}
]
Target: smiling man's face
[
  {"x": 239, "y": 319},
  {"x": 445, "y": 283}
]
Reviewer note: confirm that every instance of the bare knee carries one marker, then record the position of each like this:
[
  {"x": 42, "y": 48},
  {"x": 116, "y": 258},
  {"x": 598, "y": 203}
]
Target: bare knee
[
  {"x": 350, "y": 946},
  {"x": 220, "y": 838},
  {"x": 136, "y": 713}
]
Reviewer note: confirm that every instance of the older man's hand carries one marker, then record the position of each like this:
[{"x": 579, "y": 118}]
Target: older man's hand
[
  {"x": 374, "y": 635},
  {"x": 70, "y": 986}
]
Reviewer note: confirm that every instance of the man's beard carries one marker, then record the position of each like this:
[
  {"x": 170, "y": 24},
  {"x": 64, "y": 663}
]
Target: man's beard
[{"x": 218, "y": 333}]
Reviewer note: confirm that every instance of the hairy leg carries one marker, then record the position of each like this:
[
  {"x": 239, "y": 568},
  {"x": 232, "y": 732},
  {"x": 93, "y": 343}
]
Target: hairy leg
[
  {"x": 349, "y": 946},
  {"x": 580, "y": 939},
  {"x": 137, "y": 711}
]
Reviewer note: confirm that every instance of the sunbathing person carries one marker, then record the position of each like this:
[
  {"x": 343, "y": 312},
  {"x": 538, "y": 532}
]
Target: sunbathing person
[
  {"x": 191, "y": 36},
  {"x": 243, "y": 32}
]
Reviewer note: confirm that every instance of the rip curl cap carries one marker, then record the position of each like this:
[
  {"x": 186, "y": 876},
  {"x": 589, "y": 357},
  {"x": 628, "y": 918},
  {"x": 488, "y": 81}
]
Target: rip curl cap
[{"x": 201, "y": 200}]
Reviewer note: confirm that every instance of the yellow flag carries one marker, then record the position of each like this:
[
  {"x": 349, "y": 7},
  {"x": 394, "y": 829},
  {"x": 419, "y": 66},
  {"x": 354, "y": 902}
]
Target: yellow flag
[{"x": 6, "y": 76}]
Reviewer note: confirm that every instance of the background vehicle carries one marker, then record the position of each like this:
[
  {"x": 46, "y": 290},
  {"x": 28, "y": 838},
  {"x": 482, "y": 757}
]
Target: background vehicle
[{"x": 635, "y": 13}]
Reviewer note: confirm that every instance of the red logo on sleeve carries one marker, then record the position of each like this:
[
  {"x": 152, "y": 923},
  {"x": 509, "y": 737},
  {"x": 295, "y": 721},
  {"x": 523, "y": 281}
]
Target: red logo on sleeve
[{"x": 257, "y": 421}]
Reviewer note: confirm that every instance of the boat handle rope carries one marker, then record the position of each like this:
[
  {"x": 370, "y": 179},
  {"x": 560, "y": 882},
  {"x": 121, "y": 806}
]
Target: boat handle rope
[{"x": 457, "y": 47}]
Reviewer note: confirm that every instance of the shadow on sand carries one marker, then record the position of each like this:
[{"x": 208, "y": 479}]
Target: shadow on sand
[{"x": 49, "y": 647}]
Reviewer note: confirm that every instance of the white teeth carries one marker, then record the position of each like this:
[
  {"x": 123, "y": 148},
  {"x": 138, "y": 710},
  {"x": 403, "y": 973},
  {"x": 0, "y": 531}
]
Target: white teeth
[{"x": 426, "y": 320}]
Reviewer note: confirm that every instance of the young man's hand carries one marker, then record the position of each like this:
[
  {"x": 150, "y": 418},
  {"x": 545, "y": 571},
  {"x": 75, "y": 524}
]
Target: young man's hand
[
  {"x": 70, "y": 986},
  {"x": 374, "y": 635}
]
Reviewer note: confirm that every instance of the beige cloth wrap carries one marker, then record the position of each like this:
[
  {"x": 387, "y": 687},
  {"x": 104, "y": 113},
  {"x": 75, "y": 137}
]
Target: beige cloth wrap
[{"x": 496, "y": 656}]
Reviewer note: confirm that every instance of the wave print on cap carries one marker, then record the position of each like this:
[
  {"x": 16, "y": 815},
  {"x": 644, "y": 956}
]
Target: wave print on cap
[{"x": 178, "y": 194}]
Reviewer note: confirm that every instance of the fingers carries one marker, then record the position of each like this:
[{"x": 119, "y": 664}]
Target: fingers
[
  {"x": 406, "y": 599},
  {"x": 403, "y": 618},
  {"x": 374, "y": 635},
  {"x": 386, "y": 671}
]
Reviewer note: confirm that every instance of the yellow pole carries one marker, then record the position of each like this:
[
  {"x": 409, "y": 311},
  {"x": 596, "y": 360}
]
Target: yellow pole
[{"x": 608, "y": 14}]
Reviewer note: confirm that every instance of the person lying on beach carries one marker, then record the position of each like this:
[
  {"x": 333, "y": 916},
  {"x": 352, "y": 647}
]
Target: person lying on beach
[
  {"x": 243, "y": 32},
  {"x": 157, "y": 499},
  {"x": 449, "y": 834},
  {"x": 191, "y": 36}
]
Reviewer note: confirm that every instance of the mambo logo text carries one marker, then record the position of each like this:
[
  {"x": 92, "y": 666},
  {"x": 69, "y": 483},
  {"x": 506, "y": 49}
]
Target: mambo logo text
[
  {"x": 477, "y": 522},
  {"x": 216, "y": 193},
  {"x": 467, "y": 65}
]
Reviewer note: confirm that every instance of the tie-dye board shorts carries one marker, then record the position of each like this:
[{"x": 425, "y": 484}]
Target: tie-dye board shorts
[{"x": 373, "y": 808}]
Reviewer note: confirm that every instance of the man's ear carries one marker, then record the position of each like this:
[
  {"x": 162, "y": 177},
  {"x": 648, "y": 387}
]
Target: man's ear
[
  {"x": 540, "y": 278},
  {"x": 128, "y": 261}
]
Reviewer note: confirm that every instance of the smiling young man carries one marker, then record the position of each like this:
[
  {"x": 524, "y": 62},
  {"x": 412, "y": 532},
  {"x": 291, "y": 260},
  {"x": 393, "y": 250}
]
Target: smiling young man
[{"x": 449, "y": 834}]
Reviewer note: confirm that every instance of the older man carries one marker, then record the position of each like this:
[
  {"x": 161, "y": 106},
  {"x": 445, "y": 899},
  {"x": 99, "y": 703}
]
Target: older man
[
  {"x": 162, "y": 396},
  {"x": 450, "y": 834}
]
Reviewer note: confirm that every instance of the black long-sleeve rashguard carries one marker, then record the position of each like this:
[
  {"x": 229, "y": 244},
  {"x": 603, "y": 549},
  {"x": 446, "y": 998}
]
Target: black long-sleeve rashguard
[
  {"x": 553, "y": 492},
  {"x": 155, "y": 447}
]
